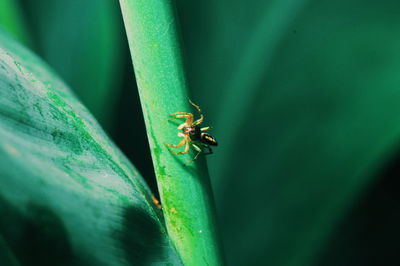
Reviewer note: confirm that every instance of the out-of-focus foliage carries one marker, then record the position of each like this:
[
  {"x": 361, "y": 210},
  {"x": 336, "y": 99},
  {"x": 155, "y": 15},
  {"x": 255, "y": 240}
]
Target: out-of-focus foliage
[
  {"x": 83, "y": 42},
  {"x": 67, "y": 195},
  {"x": 12, "y": 19},
  {"x": 303, "y": 96}
]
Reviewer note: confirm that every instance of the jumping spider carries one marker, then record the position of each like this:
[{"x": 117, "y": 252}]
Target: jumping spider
[{"x": 192, "y": 134}]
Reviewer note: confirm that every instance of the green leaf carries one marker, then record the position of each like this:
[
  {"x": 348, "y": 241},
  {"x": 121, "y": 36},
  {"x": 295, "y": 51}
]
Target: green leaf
[{"x": 67, "y": 195}]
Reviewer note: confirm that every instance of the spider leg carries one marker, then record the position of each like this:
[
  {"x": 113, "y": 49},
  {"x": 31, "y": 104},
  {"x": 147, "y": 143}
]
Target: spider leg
[
  {"x": 186, "y": 149},
  {"x": 198, "y": 149},
  {"x": 206, "y": 146},
  {"x": 185, "y": 142},
  {"x": 182, "y": 125},
  {"x": 200, "y": 120},
  {"x": 180, "y": 113},
  {"x": 180, "y": 144},
  {"x": 210, "y": 151},
  {"x": 205, "y": 128},
  {"x": 188, "y": 116},
  {"x": 195, "y": 157}
]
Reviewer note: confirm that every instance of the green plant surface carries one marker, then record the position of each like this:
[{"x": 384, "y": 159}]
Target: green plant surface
[
  {"x": 83, "y": 41},
  {"x": 67, "y": 195},
  {"x": 12, "y": 21},
  {"x": 185, "y": 190}
]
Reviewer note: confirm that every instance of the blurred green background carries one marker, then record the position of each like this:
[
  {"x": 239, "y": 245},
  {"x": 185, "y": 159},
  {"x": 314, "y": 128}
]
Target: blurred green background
[{"x": 303, "y": 96}]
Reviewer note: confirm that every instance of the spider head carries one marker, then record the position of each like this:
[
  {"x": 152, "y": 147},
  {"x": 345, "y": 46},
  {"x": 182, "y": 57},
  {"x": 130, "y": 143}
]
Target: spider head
[{"x": 208, "y": 139}]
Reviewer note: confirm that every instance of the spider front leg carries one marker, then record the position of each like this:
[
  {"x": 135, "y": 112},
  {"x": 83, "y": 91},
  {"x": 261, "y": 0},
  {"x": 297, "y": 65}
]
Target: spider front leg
[
  {"x": 200, "y": 120},
  {"x": 188, "y": 116}
]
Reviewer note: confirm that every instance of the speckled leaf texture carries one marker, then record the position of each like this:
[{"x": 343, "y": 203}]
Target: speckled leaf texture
[{"x": 68, "y": 196}]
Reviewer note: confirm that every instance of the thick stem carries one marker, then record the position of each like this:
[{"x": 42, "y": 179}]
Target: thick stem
[{"x": 185, "y": 191}]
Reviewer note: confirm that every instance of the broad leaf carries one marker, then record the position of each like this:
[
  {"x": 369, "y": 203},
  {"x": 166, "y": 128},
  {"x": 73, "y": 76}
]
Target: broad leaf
[{"x": 67, "y": 194}]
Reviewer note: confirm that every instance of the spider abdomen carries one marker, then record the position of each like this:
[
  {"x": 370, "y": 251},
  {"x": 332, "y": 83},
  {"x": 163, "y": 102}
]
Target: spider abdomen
[{"x": 208, "y": 139}]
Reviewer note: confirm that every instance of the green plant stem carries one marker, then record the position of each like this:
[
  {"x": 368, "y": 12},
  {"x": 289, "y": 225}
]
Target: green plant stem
[{"x": 185, "y": 191}]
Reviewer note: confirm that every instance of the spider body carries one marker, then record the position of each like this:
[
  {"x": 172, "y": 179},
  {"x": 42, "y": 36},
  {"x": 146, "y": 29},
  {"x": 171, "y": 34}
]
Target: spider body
[
  {"x": 193, "y": 135},
  {"x": 194, "y": 132}
]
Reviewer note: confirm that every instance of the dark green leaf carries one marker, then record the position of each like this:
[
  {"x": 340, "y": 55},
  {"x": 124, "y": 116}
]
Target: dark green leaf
[{"x": 67, "y": 194}]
